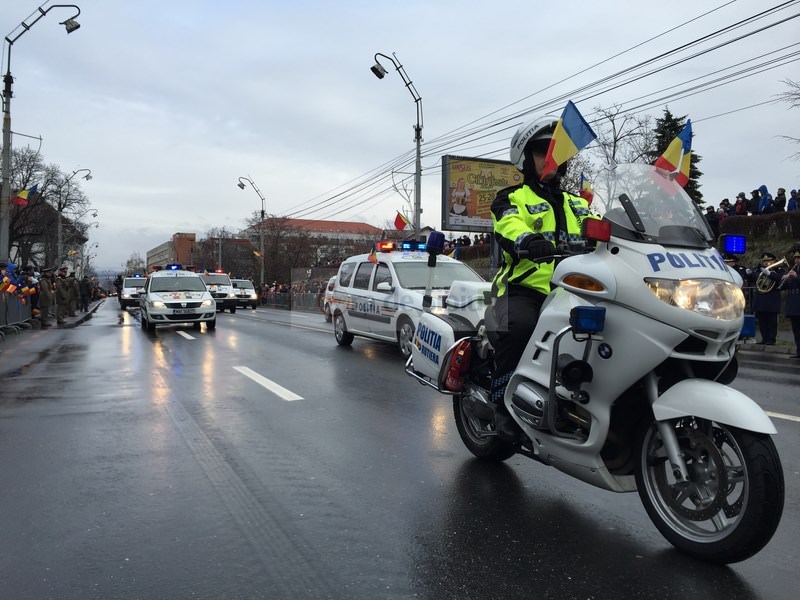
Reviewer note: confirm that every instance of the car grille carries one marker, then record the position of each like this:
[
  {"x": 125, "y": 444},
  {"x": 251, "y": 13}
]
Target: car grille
[
  {"x": 193, "y": 317},
  {"x": 183, "y": 304},
  {"x": 219, "y": 294}
]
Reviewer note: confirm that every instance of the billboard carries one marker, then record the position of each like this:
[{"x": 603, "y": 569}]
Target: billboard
[{"x": 469, "y": 186}]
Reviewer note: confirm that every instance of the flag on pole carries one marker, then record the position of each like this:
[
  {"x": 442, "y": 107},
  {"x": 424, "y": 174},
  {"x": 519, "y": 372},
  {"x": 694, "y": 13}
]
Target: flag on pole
[
  {"x": 400, "y": 221},
  {"x": 373, "y": 256},
  {"x": 585, "y": 190},
  {"x": 677, "y": 158},
  {"x": 22, "y": 197},
  {"x": 572, "y": 133}
]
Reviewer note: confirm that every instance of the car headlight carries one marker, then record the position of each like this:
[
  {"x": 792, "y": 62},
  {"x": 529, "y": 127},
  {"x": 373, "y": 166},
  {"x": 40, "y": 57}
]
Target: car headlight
[
  {"x": 158, "y": 304},
  {"x": 253, "y": 296},
  {"x": 708, "y": 297},
  {"x": 206, "y": 303},
  {"x": 438, "y": 310}
]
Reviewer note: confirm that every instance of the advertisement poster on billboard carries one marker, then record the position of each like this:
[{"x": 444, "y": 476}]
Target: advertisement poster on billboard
[{"x": 469, "y": 186}]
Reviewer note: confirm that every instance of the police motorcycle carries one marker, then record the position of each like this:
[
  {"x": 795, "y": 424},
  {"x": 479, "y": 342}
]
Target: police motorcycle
[{"x": 623, "y": 382}]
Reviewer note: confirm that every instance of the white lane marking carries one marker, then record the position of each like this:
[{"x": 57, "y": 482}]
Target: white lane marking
[
  {"x": 273, "y": 387},
  {"x": 783, "y": 416},
  {"x": 186, "y": 335}
]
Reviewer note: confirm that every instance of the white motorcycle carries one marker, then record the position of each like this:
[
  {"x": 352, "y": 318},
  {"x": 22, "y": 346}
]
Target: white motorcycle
[{"x": 623, "y": 382}]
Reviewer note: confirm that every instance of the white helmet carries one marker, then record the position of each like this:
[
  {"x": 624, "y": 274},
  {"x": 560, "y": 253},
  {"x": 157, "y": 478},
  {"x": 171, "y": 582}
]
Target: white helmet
[{"x": 539, "y": 128}]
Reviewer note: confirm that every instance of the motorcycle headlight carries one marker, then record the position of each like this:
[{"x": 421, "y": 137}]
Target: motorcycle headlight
[{"x": 708, "y": 297}]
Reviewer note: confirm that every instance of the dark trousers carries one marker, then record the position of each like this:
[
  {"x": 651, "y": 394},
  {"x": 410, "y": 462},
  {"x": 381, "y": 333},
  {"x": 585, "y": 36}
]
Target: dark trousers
[
  {"x": 510, "y": 323},
  {"x": 796, "y": 332},
  {"x": 767, "y": 326}
]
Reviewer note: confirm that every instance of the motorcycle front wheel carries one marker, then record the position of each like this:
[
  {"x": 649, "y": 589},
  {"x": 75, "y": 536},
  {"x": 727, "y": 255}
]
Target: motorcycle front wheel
[
  {"x": 732, "y": 503},
  {"x": 478, "y": 434}
]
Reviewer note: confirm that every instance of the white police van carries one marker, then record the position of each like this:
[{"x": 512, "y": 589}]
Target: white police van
[
  {"x": 379, "y": 295},
  {"x": 175, "y": 296},
  {"x": 131, "y": 290}
]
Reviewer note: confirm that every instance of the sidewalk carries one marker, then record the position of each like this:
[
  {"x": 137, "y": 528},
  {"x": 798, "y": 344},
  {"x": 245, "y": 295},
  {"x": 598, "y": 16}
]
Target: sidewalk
[{"x": 22, "y": 346}]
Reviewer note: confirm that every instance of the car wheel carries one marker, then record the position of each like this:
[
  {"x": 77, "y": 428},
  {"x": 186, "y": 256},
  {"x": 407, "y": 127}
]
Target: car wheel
[
  {"x": 233, "y": 309},
  {"x": 405, "y": 335},
  {"x": 196, "y": 325},
  {"x": 143, "y": 321},
  {"x": 343, "y": 337},
  {"x": 212, "y": 324},
  {"x": 151, "y": 327},
  {"x": 328, "y": 315}
]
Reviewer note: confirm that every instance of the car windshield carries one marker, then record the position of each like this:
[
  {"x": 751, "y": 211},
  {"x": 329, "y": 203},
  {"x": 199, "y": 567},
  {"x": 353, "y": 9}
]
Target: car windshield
[
  {"x": 645, "y": 204},
  {"x": 246, "y": 285},
  {"x": 133, "y": 282},
  {"x": 415, "y": 275},
  {"x": 177, "y": 284},
  {"x": 213, "y": 279}
]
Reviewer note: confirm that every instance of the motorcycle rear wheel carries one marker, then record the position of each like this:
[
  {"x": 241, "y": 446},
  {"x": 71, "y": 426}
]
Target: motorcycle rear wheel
[
  {"x": 731, "y": 505},
  {"x": 478, "y": 434}
]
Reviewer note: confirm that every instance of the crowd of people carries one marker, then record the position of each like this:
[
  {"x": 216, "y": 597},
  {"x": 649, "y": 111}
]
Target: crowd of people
[
  {"x": 760, "y": 202},
  {"x": 51, "y": 293}
]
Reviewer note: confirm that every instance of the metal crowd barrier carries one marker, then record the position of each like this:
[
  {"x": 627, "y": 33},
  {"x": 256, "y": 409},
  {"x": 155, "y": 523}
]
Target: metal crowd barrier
[{"x": 14, "y": 314}]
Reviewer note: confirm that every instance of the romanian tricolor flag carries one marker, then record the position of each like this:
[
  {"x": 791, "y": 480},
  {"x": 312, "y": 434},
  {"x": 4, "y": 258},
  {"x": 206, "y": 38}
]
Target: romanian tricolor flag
[
  {"x": 373, "y": 256},
  {"x": 571, "y": 135},
  {"x": 22, "y": 197},
  {"x": 585, "y": 190},
  {"x": 677, "y": 158},
  {"x": 400, "y": 221}
]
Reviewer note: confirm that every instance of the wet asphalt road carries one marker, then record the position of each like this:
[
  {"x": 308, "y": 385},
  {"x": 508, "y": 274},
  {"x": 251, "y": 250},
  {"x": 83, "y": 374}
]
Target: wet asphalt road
[{"x": 160, "y": 466}]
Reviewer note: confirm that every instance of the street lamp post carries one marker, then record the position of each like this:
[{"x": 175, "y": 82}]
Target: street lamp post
[
  {"x": 60, "y": 229},
  {"x": 379, "y": 71},
  {"x": 261, "y": 223},
  {"x": 5, "y": 192}
]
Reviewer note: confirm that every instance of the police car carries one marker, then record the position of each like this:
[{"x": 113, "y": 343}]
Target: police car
[
  {"x": 221, "y": 287},
  {"x": 173, "y": 296},
  {"x": 130, "y": 291},
  {"x": 379, "y": 295},
  {"x": 246, "y": 294}
]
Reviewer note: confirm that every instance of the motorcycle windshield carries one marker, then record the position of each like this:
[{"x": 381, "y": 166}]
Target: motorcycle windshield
[{"x": 645, "y": 204}]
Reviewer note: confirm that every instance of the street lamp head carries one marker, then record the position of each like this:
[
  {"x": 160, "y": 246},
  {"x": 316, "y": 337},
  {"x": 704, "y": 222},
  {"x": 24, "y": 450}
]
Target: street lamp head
[
  {"x": 241, "y": 185},
  {"x": 71, "y": 25},
  {"x": 88, "y": 177},
  {"x": 378, "y": 70}
]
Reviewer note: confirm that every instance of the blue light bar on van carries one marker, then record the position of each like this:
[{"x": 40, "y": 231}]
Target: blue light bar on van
[
  {"x": 173, "y": 267},
  {"x": 587, "y": 319},
  {"x": 733, "y": 243},
  {"x": 412, "y": 246}
]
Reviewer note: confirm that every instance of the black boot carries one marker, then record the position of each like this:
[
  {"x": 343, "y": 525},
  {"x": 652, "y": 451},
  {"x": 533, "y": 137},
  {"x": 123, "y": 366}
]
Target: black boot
[{"x": 507, "y": 429}]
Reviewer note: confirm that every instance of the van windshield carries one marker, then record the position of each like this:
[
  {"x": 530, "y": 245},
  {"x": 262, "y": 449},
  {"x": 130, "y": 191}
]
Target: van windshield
[
  {"x": 414, "y": 276},
  {"x": 133, "y": 282},
  {"x": 177, "y": 284},
  {"x": 216, "y": 279}
]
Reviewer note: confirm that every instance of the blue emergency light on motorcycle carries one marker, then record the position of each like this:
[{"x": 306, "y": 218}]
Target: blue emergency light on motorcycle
[
  {"x": 733, "y": 243},
  {"x": 587, "y": 319}
]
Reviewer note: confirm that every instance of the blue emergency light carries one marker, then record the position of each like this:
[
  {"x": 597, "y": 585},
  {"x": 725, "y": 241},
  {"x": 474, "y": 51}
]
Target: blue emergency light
[
  {"x": 412, "y": 246},
  {"x": 587, "y": 319},
  {"x": 733, "y": 243},
  {"x": 173, "y": 267}
]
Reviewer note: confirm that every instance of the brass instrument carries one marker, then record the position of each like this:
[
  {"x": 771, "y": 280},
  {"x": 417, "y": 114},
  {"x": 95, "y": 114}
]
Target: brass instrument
[{"x": 763, "y": 283}]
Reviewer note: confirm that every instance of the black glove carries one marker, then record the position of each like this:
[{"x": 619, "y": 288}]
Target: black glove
[{"x": 534, "y": 247}]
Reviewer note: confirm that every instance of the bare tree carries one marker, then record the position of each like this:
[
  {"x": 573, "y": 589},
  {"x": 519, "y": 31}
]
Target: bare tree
[
  {"x": 792, "y": 97},
  {"x": 623, "y": 137}
]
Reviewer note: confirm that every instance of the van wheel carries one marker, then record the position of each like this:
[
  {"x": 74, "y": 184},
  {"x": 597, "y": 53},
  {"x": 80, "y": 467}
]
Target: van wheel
[
  {"x": 405, "y": 335},
  {"x": 343, "y": 337},
  {"x": 212, "y": 324},
  {"x": 233, "y": 309}
]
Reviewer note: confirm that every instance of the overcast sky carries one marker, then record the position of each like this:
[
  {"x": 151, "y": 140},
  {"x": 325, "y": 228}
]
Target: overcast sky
[{"x": 170, "y": 102}]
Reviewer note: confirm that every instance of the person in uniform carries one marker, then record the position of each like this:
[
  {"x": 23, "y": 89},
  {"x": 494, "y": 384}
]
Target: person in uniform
[
  {"x": 46, "y": 296},
  {"x": 766, "y": 297},
  {"x": 790, "y": 283},
  {"x": 530, "y": 221},
  {"x": 62, "y": 296}
]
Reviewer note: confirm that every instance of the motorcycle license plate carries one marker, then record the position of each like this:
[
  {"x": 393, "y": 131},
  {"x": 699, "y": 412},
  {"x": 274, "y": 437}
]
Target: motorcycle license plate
[{"x": 182, "y": 311}]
